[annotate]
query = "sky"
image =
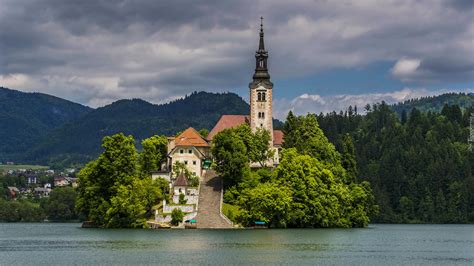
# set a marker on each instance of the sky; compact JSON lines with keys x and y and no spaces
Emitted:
{"x":323,"y":55}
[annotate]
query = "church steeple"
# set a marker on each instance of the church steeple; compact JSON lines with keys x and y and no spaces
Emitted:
{"x":261,"y":57}
{"x":261,"y":45}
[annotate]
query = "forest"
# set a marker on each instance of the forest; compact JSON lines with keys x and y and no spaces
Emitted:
{"x":419,"y":164}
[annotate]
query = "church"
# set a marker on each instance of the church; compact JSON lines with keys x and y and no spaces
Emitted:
{"x":193,"y":150}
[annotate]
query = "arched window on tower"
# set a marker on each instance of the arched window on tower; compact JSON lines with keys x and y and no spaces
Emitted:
{"x":261,"y":63}
{"x":263,"y":115}
{"x":259,"y":96}
{"x":263,"y":96}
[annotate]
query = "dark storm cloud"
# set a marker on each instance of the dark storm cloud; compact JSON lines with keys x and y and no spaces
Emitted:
{"x":95,"y":52}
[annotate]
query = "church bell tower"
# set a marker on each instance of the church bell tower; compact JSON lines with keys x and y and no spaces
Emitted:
{"x":261,"y":91}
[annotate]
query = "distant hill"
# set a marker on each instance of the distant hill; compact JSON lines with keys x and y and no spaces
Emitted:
{"x":79,"y":140}
{"x":27,"y":117}
{"x":435,"y":103}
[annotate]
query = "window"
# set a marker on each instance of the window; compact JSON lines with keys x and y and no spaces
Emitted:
{"x":259,"y":96}
{"x":181,"y":151}
{"x":261,"y":63}
{"x":190,"y":151}
{"x":194,"y":162}
{"x":186,"y":162}
{"x":263,"y":96}
{"x":263,"y":115}
{"x":261,"y":125}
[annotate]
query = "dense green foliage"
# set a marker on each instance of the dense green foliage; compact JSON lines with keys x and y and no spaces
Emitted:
{"x":230,"y":156}
{"x":309,"y":188}
{"x":154,"y":152}
{"x":435,"y":103}
{"x":20,"y":211}
{"x":419,"y":166}
{"x":233,"y":149}
{"x":115,"y":191}
{"x":60,"y":205}
{"x":26,"y":117}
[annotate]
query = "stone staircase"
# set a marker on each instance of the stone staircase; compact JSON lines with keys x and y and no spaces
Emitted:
{"x":209,"y":212}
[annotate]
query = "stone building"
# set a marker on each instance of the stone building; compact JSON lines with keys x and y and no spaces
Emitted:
{"x":261,"y":100}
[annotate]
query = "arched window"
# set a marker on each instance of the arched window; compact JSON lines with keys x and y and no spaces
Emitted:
{"x":261,"y":63}
{"x":259,"y":97}
{"x":263,"y":115}
{"x":263,"y":96}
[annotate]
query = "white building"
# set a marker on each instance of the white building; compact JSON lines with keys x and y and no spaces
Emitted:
{"x":190,"y":149}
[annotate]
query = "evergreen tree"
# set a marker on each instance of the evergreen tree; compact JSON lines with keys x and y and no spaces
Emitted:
{"x":349,"y":158}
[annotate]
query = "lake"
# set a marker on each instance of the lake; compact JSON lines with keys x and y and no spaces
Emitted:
{"x":379,"y":244}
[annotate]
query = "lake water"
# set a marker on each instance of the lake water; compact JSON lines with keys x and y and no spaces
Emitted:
{"x":66,"y":244}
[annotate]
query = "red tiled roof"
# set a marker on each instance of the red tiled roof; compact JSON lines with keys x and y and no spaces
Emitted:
{"x":277,"y":137}
{"x":228,"y":121}
{"x":190,"y":137}
{"x":181,"y":181}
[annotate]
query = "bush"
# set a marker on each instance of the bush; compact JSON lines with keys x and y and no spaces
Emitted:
{"x":177,"y":216}
{"x":182,"y":199}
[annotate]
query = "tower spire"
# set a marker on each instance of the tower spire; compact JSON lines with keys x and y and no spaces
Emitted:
{"x":261,"y":56}
{"x":261,"y":45}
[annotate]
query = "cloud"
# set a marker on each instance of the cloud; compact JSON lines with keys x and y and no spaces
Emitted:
{"x":94,"y":52}
{"x":405,"y":68}
{"x":305,"y":103}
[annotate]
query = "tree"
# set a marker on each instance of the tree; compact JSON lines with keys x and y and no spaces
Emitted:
{"x":130,"y":206}
{"x":261,"y":150}
{"x":230,"y":156}
{"x":404,"y":117}
{"x":111,"y":191}
{"x":305,"y":135}
{"x":349,"y":158}
{"x":153,"y":153}
{"x":319,"y":197}
{"x":290,"y":132}
{"x":204,"y":132}
{"x":177,"y":216}
{"x":266,"y":202}
{"x":60,"y":206}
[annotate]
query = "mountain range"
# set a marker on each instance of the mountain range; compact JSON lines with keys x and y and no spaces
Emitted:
{"x":44,"y":129}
